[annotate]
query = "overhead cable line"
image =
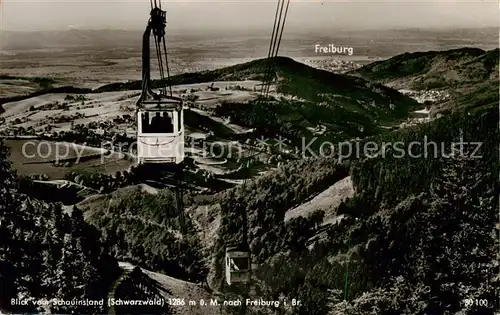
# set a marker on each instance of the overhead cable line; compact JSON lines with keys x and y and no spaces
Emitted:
{"x":276,"y":35}
{"x":279,"y":42}
{"x":275,"y":43}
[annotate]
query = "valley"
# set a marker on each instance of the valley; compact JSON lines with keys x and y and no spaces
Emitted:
{"x":325,"y":220}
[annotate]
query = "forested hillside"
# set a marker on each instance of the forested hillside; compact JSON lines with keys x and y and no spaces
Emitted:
{"x":148,"y":232}
{"x":469,"y":75}
{"x":434,"y":69}
{"x":417,"y":237}
{"x":300,"y":121}
{"x":46,"y":254}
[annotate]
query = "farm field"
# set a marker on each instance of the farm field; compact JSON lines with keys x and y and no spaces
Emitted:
{"x":36,"y":157}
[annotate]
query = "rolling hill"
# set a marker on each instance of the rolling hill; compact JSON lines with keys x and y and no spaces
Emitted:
{"x":303,"y":82}
{"x":305,"y":103}
{"x":433,"y":69}
{"x":470,"y":75}
{"x":304,"y":98}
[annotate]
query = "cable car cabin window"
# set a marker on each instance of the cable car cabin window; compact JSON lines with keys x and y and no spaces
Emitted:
{"x":157,"y":122}
{"x":239,"y":264}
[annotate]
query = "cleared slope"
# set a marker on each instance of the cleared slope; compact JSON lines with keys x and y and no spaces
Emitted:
{"x":327,"y":201}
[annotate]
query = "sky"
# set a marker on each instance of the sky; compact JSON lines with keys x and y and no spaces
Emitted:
{"x":36,"y":15}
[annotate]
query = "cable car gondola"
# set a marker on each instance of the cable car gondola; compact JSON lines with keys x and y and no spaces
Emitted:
{"x":160,"y":133}
{"x":159,"y":116}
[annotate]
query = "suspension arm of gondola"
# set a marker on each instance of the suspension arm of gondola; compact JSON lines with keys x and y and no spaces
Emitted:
{"x":146,"y":65}
{"x":156,"y":25}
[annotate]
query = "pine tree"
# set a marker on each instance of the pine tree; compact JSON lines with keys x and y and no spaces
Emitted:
{"x":461,"y":251}
{"x":10,"y":252}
